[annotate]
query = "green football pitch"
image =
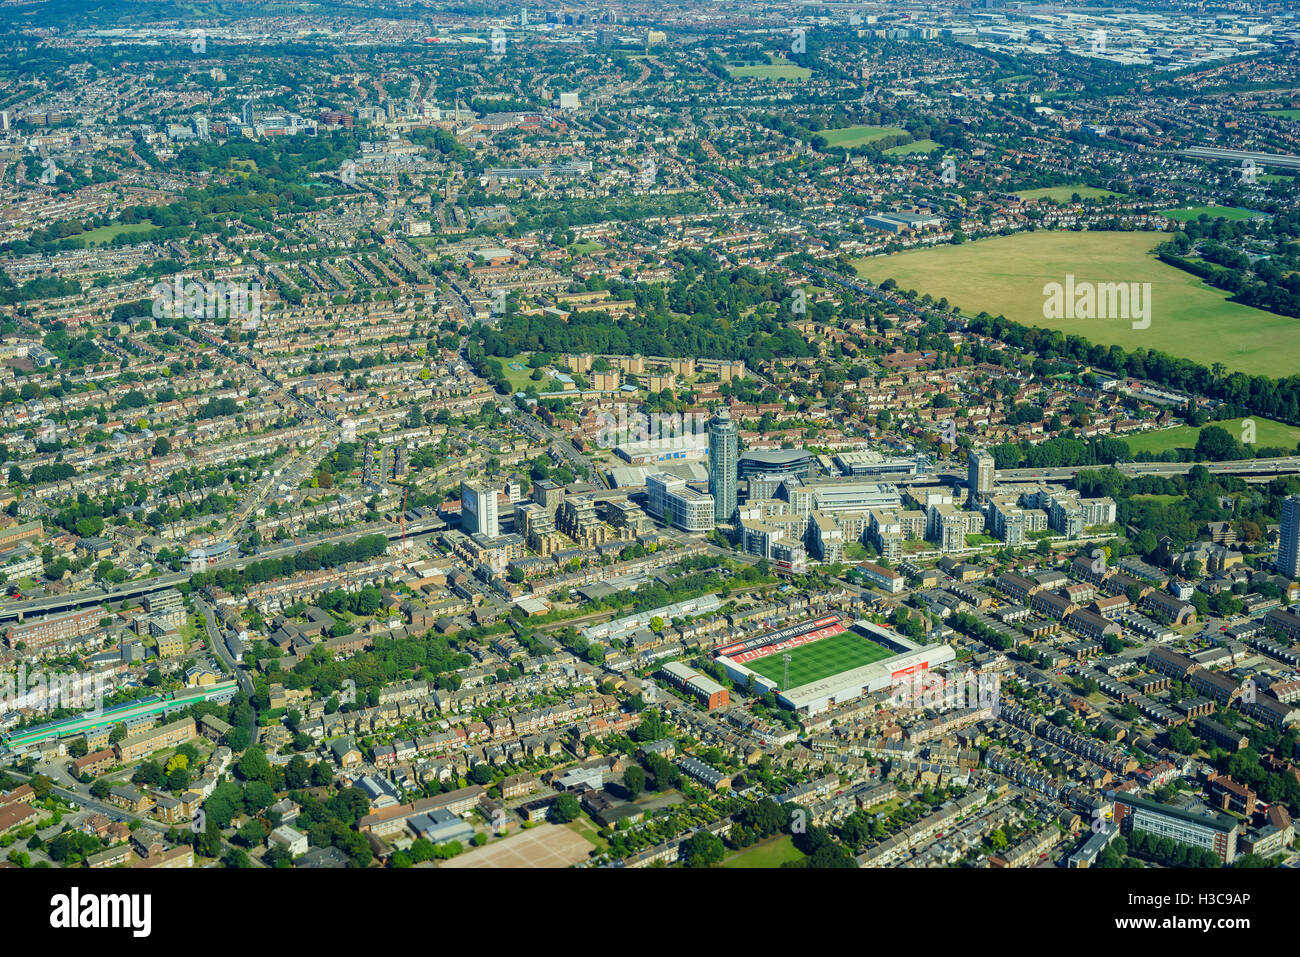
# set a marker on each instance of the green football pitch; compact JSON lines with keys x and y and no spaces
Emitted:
{"x":820,"y":659}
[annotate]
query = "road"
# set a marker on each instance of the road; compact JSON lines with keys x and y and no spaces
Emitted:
{"x":56,"y":772}
{"x":79,"y":795}
{"x":1258,"y":468}
{"x":1288,"y":465}
{"x":562,"y":446}
{"x":298,"y":462}
{"x":217,"y":645}
{"x":1243,"y":156}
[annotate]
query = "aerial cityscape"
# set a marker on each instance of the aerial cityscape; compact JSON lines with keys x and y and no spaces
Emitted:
{"x":615,"y":435}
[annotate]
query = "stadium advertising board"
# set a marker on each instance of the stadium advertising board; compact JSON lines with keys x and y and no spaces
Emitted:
{"x":905,"y":672}
{"x":792,"y":637}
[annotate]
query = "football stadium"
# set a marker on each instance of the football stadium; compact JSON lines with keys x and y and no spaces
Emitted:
{"x":831,"y":661}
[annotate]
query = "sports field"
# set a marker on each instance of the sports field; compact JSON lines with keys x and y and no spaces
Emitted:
{"x":777,"y":70}
{"x":1268,"y":434}
{"x":106,"y":234}
{"x":1214,"y":212}
{"x":851,"y":136}
{"x":1063,"y":194}
{"x":772,"y":852}
{"x":547,"y":845}
{"x":820,"y":659}
{"x":1006,"y":276}
{"x":916,"y":146}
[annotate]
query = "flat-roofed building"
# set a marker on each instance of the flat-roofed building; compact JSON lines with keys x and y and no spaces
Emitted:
{"x":1211,"y":831}
{"x":144,"y":743}
{"x":675,"y":503}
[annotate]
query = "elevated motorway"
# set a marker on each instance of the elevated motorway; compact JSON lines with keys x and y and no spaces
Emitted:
{"x":1242,"y":156}
{"x":1262,"y":469}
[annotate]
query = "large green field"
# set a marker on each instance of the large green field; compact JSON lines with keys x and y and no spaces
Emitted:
{"x":779,"y":70}
{"x":1285,"y":114}
{"x":1006,"y":276}
{"x":773,"y":852}
{"x":916,"y":146}
{"x":1268,"y":434}
{"x":1063,"y":194}
{"x":819,"y":659}
{"x":1214,"y":212}
{"x":851,"y":136}
{"x":521,"y":379}
{"x":105,"y":234}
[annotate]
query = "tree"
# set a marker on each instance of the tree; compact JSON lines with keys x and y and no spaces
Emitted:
{"x":251,"y":833}
{"x":41,"y":786}
{"x":322,"y":775}
{"x":703,"y":849}
{"x":297,"y":773}
{"x":148,"y":773}
{"x":253,"y":766}
{"x":564,"y":810}
{"x":765,"y":816}
{"x":238,"y":738}
{"x":651,"y":727}
{"x":208,"y":844}
{"x":1182,"y":740}
{"x":258,"y":796}
{"x":236,"y":857}
{"x":634,"y":781}
{"x":1216,"y":444}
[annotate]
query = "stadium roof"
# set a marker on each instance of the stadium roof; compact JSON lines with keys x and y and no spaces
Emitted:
{"x":775,"y":456}
{"x":815,"y":695}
